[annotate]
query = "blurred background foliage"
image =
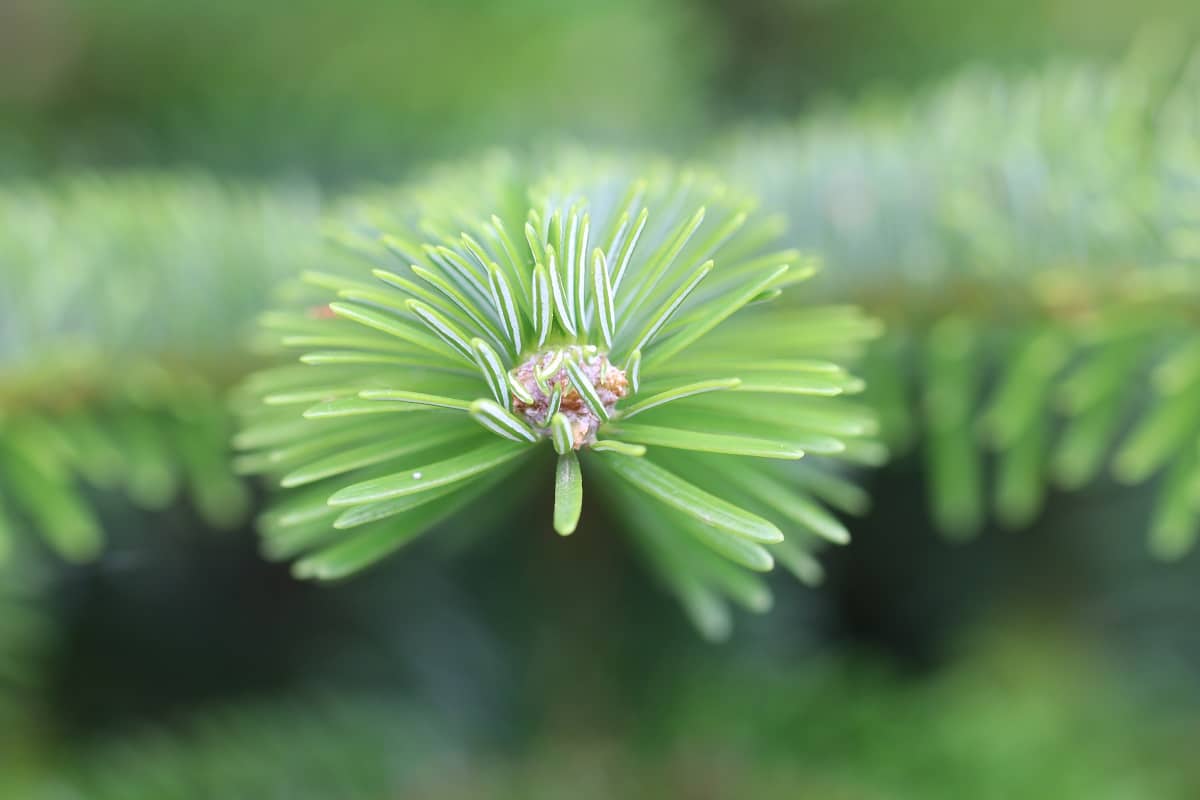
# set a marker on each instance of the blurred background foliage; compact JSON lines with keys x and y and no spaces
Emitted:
{"x":372,"y":87}
{"x":363,"y":88}
{"x":166,"y":163}
{"x":1031,"y":242}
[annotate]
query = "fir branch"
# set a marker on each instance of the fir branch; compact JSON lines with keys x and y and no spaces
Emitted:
{"x":1032,"y":245}
{"x":545,"y":326}
{"x":126,"y":303}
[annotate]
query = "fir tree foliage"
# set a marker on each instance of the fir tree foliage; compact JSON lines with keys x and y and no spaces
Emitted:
{"x":617,"y":316}
{"x":125,"y":306}
{"x":1032,"y":246}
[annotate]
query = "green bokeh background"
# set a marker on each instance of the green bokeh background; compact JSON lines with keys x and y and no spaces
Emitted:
{"x":1056,"y":662}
